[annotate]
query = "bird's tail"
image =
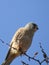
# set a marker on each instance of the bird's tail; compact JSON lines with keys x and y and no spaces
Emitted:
{"x":5,"y":63}
{"x":9,"y":60}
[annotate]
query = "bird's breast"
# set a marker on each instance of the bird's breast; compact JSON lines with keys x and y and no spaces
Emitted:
{"x":25,"y":42}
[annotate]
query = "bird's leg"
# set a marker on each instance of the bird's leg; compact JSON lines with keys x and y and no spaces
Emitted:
{"x":20,"y":50}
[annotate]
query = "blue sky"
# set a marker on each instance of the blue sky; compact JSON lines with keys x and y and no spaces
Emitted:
{"x":15,"y":14}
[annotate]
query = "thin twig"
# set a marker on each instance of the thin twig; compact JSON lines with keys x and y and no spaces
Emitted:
{"x":32,"y":58}
{"x":46,"y":58}
{"x":24,"y":63}
{"x":7,"y":44}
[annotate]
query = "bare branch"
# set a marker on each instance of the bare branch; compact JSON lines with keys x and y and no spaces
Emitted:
{"x":7,"y":44}
{"x":32,"y":58}
{"x":24,"y":63}
{"x":46,"y":58}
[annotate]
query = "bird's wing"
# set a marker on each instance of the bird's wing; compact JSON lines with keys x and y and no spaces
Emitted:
{"x":8,"y":52}
{"x":16,"y":36}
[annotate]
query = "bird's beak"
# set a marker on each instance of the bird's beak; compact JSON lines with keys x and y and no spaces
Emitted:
{"x":37,"y":28}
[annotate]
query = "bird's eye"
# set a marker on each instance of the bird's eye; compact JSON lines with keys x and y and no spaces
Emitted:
{"x":34,"y":26}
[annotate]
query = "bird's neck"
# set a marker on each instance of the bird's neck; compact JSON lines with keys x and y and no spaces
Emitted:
{"x":30,"y":33}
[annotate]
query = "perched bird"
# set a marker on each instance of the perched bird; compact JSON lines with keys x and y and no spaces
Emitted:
{"x":21,"y":42}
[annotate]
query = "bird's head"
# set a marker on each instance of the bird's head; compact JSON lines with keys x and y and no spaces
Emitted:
{"x":32,"y":26}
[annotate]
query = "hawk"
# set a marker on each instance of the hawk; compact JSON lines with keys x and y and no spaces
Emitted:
{"x":20,"y":42}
